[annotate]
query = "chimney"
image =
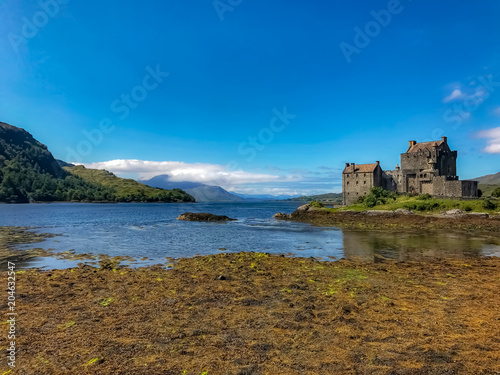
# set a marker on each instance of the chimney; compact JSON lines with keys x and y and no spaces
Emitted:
{"x":413,"y":143}
{"x":377,"y":162}
{"x":444,"y":140}
{"x":346,"y":165}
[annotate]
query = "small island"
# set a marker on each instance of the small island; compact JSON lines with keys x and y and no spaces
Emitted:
{"x":203,"y":216}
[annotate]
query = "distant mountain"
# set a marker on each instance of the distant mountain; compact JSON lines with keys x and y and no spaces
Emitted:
{"x":328,"y":197}
{"x":490,"y":179}
{"x":201,"y":192}
{"x":29,"y":172}
{"x":265,"y":197}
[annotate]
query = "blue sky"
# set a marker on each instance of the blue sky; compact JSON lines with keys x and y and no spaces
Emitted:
{"x":256,"y":96}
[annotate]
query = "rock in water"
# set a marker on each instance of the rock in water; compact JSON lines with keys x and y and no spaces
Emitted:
{"x":281,"y":216}
{"x":203,"y":216}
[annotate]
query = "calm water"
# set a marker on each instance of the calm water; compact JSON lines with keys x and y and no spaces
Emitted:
{"x":151,"y":230}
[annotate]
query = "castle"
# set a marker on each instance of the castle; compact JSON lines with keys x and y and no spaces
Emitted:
{"x":426,"y":168}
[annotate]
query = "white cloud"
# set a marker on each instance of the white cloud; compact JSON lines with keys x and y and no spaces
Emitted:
{"x":276,"y":182}
{"x":455,"y":95}
{"x":210,"y":174}
{"x":493,"y":137}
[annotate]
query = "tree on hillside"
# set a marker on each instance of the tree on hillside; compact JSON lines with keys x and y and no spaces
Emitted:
{"x":496,"y":192}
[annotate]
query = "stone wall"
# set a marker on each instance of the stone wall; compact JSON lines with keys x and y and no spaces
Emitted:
{"x":470,"y":189}
{"x":415,"y":161}
{"x":355,"y":185}
{"x":445,"y":162}
{"x":427,"y":171}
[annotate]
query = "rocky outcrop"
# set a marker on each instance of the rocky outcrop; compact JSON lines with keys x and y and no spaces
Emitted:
{"x":281,"y":216}
{"x":454,"y":212}
{"x":203,"y":216}
{"x":403,"y":211}
{"x":398,"y":219}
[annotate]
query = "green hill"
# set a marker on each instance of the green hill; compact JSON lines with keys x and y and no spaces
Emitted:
{"x":489,"y":179}
{"x":29,"y":172}
{"x":127,"y":190}
{"x":487,"y":190}
{"x":488,"y":183}
{"x":328,"y":197}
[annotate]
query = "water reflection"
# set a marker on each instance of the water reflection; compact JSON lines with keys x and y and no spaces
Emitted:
{"x":21,"y":262}
{"x":365,"y":246}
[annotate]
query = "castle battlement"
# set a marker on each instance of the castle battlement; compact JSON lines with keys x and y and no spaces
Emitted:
{"x":426,"y":168}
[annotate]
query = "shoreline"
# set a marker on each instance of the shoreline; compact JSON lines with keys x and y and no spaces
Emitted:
{"x":33,"y":258}
{"x":480,"y":223}
{"x":255,"y":313}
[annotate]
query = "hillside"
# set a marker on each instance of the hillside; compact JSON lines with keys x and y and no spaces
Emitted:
{"x":489,"y":179}
{"x":328,"y":197}
{"x":18,"y":144}
{"x":488,"y":183}
{"x":29,"y":172}
{"x":201,"y":192}
{"x":128,"y":190}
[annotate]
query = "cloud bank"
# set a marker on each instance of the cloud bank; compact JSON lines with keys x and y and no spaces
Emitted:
{"x":210,"y":174}
{"x":275,"y":181}
{"x":493,"y":137}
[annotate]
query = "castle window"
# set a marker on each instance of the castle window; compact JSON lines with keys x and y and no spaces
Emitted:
{"x":347,"y":182}
{"x":357,"y":182}
{"x":364,"y":182}
{"x":364,"y":175}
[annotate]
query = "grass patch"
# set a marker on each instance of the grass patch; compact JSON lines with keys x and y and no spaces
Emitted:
{"x":423,"y":203}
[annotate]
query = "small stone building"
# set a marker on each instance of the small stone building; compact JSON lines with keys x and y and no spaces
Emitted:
{"x":426,"y":168}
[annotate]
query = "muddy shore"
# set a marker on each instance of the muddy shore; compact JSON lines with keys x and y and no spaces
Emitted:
{"x":255,"y":313}
{"x":373,"y":220}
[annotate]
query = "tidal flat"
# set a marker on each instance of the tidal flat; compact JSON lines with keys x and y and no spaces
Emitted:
{"x":257,"y":313}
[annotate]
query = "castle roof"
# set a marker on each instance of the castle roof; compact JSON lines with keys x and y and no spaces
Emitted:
{"x":424,"y":146}
{"x":360,"y":168}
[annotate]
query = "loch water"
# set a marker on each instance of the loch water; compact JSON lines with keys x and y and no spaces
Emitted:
{"x":151,"y":230}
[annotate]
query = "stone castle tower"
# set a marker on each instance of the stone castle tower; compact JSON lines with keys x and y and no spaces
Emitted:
{"x":426,"y":168}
